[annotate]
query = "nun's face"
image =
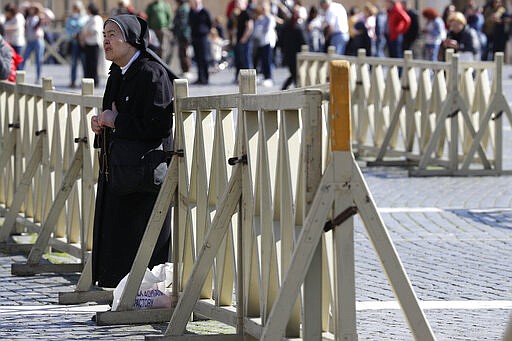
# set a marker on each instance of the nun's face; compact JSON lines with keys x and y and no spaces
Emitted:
{"x":117,"y":50}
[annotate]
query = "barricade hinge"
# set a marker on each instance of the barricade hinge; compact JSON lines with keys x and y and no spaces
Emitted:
{"x":497,"y":115}
{"x":340,"y":218}
{"x":39,"y":132}
{"x":81,"y":139}
{"x":453,"y":114}
{"x":237,"y":159}
{"x":178,"y":152}
{"x":14,"y":125}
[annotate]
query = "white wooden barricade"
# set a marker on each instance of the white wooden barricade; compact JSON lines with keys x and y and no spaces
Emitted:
{"x":254,"y":184}
{"x":259,"y":223}
{"x":45,"y":151}
{"x":397,"y":119}
{"x":198,"y":174}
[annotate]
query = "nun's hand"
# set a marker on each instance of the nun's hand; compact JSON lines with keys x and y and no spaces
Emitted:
{"x":108,"y":117}
{"x":95,"y":125}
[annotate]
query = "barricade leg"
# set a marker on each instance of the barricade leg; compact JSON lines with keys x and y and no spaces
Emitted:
{"x":19,"y":197}
{"x":343,"y":181}
{"x":33,"y":265}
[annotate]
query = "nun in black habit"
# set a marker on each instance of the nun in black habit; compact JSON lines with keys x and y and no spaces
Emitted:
{"x":136,"y":119}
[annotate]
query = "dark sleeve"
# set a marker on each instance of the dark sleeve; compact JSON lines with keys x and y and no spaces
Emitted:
{"x":208,"y":20}
{"x":304,"y":37}
{"x":150,"y":115}
{"x":467,"y":44}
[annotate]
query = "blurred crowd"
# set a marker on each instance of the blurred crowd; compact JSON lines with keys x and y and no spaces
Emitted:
{"x":262,"y":34}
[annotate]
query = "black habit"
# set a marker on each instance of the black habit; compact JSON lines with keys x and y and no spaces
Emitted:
{"x":143,"y":97}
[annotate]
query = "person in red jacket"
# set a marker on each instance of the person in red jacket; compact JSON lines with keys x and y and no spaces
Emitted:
{"x":398,"y":23}
{"x":9,"y":61}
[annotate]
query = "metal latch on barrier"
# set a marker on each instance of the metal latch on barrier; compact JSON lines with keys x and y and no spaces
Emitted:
{"x":179,"y":153}
{"x":453,"y":114}
{"x":340,"y":218}
{"x":81,"y":140}
{"x":237,"y":159}
{"x":39,"y":132}
{"x":14,"y":125}
{"x":497,"y":115}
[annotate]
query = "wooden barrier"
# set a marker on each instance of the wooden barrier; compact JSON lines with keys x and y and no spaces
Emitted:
{"x":440,"y":117}
{"x":258,"y":223}
{"x":263,"y":187}
{"x":46,"y":153}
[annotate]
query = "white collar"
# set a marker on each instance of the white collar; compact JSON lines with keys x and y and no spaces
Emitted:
{"x":125,"y":68}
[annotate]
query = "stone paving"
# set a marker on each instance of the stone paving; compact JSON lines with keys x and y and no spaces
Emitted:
{"x":453,"y":235}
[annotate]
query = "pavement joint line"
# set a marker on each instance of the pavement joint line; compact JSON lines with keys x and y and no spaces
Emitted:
{"x":437,"y":305}
{"x":365,"y":305}
{"x":439,"y":210}
{"x":52,"y":309}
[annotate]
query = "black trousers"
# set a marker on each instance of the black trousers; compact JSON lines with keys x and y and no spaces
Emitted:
{"x":201,"y":55}
{"x":91,"y":53}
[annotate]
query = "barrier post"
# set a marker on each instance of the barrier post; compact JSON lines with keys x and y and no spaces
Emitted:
{"x":344,"y":264}
{"x":343,"y":187}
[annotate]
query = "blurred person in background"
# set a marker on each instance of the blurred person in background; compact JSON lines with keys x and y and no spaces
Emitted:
{"x":264,"y":40}
{"x":293,"y":36}
{"x":91,"y":38}
{"x":496,"y":28}
{"x":14,"y":27}
{"x":370,"y":12}
{"x":398,"y":23}
{"x":9,"y":61}
{"x":200,"y":25}
{"x":244,"y":25}
{"x":160,"y":16}
{"x":183,"y":35}
{"x":461,"y":38}
{"x":447,"y":11}
{"x":433,"y":32}
{"x":35,"y":37}
{"x":314,"y":30}
{"x":413,"y":32}
{"x":336,"y":25}
{"x":476,"y":20}
{"x":123,"y":7}
{"x":73,"y":26}
{"x":381,"y":32}
{"x":354,"y":16}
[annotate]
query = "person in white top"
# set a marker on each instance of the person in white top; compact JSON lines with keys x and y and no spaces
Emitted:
{"x":35,"y":37}
{"x":265,"y":37}
{"x":14,"y":27}
{"x":91,"y":39}
{"x":336,"y":22}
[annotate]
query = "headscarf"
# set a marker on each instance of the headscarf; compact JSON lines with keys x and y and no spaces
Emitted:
{"x":136,"y":33}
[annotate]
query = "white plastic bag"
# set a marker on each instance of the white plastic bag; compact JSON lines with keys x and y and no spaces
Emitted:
{"x":154,"y":291}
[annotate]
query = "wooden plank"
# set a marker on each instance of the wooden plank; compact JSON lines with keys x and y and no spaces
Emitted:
{"x":389,"y":258}
{"x":301,"y":259}
{"x":207,"y":253}
{"x":143,"y":316}
{"x":25,"y":269}
{"x":215,"y":337}
{"x":79,"y":297}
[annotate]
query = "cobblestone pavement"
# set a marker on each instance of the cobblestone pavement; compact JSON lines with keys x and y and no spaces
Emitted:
{"x":453,"y":235}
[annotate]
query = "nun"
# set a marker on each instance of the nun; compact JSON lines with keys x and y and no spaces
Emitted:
{"x":132,"y":134}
